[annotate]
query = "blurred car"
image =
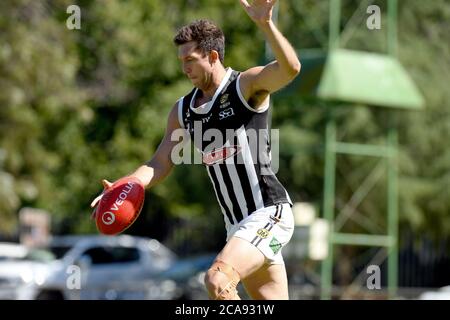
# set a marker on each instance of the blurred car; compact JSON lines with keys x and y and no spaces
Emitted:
{"x":21,"y":269}
{"x":12,"y":251}
{"x":188,"y":276}
{"x":442,"y":294}
{"x":103,"y":267}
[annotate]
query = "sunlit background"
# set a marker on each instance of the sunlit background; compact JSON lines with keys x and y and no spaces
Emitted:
{"x":364,"y":147}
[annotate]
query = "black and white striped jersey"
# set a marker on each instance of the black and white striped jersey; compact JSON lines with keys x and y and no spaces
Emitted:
{"x":234,"y":143}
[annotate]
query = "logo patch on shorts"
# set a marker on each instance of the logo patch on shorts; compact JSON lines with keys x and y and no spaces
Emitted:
{"x":275,"y":245}
{"x":263,"y":233}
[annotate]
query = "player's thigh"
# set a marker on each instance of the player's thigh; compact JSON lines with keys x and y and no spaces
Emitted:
{"x":268,"y":283}
{"x":243,"y":256}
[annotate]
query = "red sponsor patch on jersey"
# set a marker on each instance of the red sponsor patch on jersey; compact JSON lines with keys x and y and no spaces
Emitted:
{"x":219,"y":155}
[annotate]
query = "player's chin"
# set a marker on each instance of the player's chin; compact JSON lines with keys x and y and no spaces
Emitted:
{"x":198,"y":84}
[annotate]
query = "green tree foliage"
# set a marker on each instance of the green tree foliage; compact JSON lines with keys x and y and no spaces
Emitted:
{"x":424,"y":135}
{"x":39,"y":97}
{"x":77,"y":106}
{"x":82,"y":105}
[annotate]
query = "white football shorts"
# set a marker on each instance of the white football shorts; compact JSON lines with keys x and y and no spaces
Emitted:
{"x":268,"y":229}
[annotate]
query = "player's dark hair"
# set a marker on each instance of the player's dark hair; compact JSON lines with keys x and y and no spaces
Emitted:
{"x":207,"y":35}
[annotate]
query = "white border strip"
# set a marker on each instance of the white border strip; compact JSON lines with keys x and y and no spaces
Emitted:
{"x":180,"y":112}
{"x":207,"y":108}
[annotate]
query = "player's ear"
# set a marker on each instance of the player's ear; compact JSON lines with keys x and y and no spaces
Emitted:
{"x":213,"y":56}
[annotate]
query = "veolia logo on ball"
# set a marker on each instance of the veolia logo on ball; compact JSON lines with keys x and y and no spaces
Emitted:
{"x":108,"y":217}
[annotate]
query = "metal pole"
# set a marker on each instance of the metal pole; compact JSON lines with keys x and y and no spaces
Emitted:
{"x":392,"y":27}
{"x":330,"y":162}
{"x":328,"y":206}
{"x":392,"y":194}
{"x":335,"y":24}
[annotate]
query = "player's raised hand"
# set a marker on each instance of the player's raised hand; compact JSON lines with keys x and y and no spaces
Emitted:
{"x":106,"y":186}
{"x":260,"y":11}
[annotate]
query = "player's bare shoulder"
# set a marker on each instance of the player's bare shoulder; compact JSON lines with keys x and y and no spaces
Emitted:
{"x":173,"y":121}
{"x":247,"y":80}
{"x":252,"y":93}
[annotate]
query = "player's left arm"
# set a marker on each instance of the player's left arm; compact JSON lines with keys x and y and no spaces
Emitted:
{"x":277,"y":74}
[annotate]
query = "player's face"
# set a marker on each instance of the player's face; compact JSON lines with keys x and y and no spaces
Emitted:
{"x":195,"y":64}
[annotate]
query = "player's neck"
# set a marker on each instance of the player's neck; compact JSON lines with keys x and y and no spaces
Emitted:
{"x":213,"y":83}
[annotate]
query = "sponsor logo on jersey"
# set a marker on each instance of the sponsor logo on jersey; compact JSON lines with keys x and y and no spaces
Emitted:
{"x":226,"y":104}
{"x":224,"y":101}
{"x":226,"y":113}
{"x":224,"y":98}
{"x":221,"y":154}
{"x":206,"y":119}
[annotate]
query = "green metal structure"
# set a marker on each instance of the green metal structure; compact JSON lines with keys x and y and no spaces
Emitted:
{"x":355,"y":77}
{"x":378,"y":81}
{"x":368,"y":78}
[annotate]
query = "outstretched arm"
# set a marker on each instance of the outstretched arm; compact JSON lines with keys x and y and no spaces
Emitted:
{"x":279,"y":73}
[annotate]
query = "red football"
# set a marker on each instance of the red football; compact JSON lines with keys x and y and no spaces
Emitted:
{"x":120,"y":205}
